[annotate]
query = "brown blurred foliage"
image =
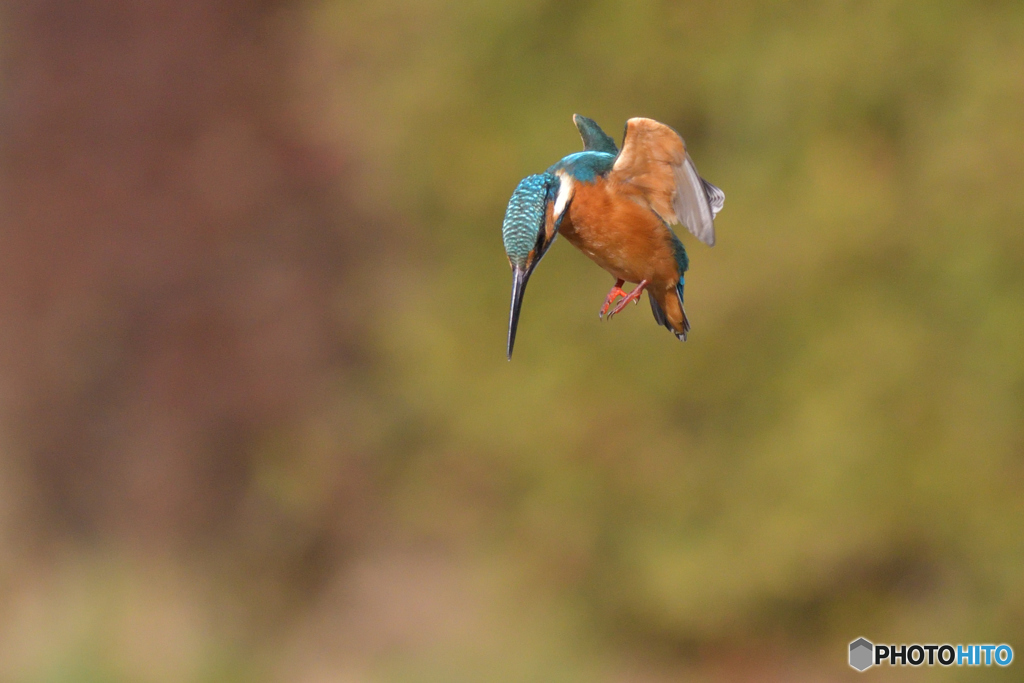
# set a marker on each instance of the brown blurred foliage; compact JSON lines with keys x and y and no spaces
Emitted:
{"x":171,"y":251}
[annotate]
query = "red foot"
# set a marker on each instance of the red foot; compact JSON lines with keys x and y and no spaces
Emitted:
{"x":616,"y":292}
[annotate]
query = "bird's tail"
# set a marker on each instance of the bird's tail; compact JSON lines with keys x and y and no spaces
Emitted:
{"x":670,"y":312}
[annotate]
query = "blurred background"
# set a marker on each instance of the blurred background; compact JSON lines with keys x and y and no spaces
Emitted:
{"x":256,"y":421}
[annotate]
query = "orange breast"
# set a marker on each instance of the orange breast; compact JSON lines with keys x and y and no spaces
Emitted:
{"x":621,"y":235}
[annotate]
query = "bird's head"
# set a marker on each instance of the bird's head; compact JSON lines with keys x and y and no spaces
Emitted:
{"x":531,"y":225}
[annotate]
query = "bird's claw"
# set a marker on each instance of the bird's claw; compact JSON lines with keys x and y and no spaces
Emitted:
{"x":614,"y":294}
{"x":617,"y":292}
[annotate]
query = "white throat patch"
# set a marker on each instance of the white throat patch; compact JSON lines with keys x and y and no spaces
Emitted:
{"x":565,"y":189}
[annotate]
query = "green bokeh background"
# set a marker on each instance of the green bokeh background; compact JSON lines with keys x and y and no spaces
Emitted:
{"x":837,"y":451}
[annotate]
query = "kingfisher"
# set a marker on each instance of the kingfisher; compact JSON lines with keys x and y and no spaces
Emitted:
{"x":616,"y":206}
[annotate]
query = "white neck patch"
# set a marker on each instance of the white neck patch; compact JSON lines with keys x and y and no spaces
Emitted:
{"x":565,"y":189}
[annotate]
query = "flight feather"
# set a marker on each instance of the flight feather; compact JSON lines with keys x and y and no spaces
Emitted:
{"x":654,"y":160}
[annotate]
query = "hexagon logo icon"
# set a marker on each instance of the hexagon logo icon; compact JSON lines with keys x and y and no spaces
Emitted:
{"x":861,"y":654}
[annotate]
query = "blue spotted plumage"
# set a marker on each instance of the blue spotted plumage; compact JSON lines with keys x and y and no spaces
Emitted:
{"x":524,"y":218}
{"x":527,"y":234}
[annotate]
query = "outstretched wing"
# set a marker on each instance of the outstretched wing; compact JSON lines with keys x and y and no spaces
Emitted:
{"x":654,"y":161}
{"x":594,"y":139}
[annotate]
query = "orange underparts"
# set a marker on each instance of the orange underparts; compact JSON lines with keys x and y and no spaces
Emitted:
{"x":615,"y":293}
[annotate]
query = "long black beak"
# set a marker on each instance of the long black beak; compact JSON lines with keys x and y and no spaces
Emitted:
{"x":520,"y":274}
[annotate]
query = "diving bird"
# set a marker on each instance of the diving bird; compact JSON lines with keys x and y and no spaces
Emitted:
{"x":616,"y":207}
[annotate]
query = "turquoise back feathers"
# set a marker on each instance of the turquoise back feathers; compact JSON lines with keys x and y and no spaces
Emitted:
{"x":597,"y":157}
{"x":524,"y":217}
{"x":585,"y":166}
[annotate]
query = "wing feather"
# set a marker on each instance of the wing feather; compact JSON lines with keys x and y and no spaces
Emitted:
{"x":654,"y":161}
{"x":594,"y":139}
{"x":691,"y":203}
{"x":716,"y":198}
